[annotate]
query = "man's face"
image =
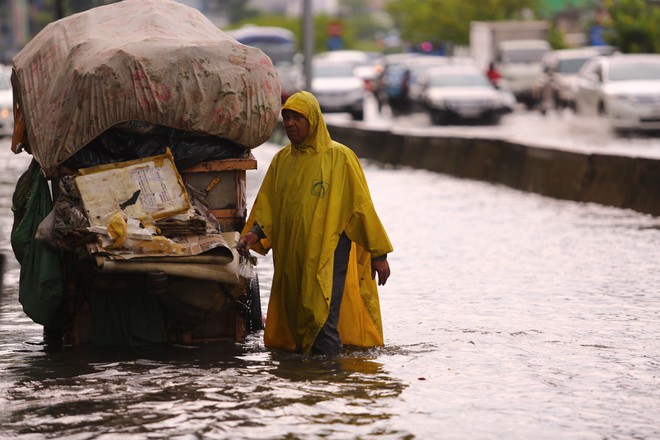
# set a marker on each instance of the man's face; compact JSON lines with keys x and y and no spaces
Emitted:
{"x":295,"y":125}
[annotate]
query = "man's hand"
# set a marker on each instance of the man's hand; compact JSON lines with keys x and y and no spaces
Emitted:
{"x":245,"y":243}
{"x":383,"y":269}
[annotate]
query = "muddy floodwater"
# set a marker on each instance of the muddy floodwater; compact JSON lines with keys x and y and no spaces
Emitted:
{"x":507,"y":316}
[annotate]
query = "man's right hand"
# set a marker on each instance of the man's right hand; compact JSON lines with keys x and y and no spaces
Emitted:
{"x":245,"y":243}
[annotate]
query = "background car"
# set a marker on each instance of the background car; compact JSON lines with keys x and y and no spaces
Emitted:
{"x":624,"y":88}
{"x":461,"y":93}
{"x":366,"y":64}
{"x":519,"y":64}
{"x":337,"y":88}
{"x":6,"y":103}
{"x":417,"y":68}
{"x":555,"y":87}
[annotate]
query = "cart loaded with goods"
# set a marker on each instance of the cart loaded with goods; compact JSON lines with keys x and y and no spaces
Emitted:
{"x":140,"y":117}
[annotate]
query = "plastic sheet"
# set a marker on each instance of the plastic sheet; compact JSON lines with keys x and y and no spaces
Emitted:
{"x":153,"y":61}
{"x":117,"y":145}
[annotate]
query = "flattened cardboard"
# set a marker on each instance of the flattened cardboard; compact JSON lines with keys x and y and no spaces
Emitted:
{"x":146,"y":189}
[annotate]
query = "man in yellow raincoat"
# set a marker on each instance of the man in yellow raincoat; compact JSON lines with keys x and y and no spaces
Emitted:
{"x":315,"y":211}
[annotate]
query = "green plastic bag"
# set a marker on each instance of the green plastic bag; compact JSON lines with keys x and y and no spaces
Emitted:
{"x":41,"y":285}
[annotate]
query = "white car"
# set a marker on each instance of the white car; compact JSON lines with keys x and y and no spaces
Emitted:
{"x":366,"y":64}
{"x":555,"y":87}
{"x":417,"y":68}
{"x":6,"y":103}
{"x":338,"y":89}
{"x":624,"y":88}
{"x":461,"y":93}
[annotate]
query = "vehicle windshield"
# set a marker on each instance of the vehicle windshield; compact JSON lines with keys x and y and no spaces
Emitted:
{"x":635,"y":71}
{"x":571,"y":65}
{"x":523,"y":55}
{"x":333,"y":71}
{"x":459,"y":80}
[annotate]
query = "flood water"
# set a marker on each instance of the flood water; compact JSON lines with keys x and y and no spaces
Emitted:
{"x":507,"y":316}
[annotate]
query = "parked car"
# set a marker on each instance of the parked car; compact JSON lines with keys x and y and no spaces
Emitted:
{"x":366,"y":64}
{"x":555,"y":87}
{"x":624,"y":88}
{"x":6,"y":103}
{"x":337,"y":88}
{"x":417,"y":68}
{"x":461,"y":93}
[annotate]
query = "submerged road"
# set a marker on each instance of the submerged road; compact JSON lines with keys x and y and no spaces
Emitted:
{"x":508,"y":315}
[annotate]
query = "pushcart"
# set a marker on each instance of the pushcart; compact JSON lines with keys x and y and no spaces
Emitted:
{"x":99,"y":110}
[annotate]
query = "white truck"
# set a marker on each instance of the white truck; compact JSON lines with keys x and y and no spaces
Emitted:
{"x":515,"y":48}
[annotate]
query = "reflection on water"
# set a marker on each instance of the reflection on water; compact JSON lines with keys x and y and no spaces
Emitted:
{"x":507,"y":316}
{"x":238,"y":391}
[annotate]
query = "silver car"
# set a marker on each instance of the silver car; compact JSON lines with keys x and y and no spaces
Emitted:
{"x":555,"y":87}
{"x":623,"y":88}
{"x":463,"y":93}
{"x":6,"y":103}
{"x":338,"y":89}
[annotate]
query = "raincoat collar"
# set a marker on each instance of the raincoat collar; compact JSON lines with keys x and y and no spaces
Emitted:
{"x":305,"y":103}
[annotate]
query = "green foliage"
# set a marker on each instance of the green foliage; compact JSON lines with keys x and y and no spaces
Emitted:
{"x":556,"y":39}
{"x":635,"y":25}
{"x":449,"y":20}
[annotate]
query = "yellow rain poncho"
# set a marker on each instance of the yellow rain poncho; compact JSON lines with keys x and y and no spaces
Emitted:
{"x":311,"y":194}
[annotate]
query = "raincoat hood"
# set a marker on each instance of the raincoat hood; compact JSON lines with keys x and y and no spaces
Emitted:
{"x":305,"y":103}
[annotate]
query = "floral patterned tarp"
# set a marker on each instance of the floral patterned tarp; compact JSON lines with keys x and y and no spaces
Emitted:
{"x":156,"y":61}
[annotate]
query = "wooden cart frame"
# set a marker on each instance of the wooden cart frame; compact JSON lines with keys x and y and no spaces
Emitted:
{"x":224,"y":183}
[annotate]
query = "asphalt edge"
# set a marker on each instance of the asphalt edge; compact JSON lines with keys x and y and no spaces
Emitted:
{"x":611,"y":180}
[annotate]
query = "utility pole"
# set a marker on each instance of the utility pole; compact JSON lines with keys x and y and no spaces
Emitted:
{"x":59,"y":9}
{"x":308,"y":42}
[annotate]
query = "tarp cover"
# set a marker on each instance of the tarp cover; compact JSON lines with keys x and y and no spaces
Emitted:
{"x":140,"y":60}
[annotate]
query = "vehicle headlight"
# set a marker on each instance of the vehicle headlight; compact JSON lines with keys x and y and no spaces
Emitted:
{"x":5,"y":113}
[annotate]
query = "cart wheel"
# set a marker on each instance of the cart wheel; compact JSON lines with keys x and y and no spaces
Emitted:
{"x":253,"y":315}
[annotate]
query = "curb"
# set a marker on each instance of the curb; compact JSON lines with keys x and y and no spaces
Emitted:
{"x":618,"y":181}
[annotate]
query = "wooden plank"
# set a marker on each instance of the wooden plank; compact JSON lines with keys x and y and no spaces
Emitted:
{"x":248,"y":163}
{"x":224,"y":213}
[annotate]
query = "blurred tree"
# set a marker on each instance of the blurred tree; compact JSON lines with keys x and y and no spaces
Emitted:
{"x":635,"y":25}
{"x":235,"y":10}
{"x":556,"y":38}
{"x":449,"y":20}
